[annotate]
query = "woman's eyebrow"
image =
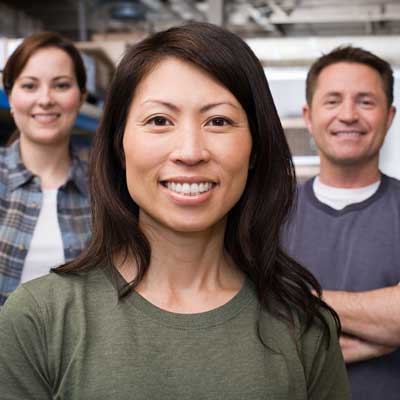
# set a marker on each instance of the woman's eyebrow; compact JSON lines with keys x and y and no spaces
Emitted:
{"x":208,"y":107}
{"x":163,"y":103}
{"x":203,"y":109}
{"x":34,"y":78}
{"x":63,"y":77}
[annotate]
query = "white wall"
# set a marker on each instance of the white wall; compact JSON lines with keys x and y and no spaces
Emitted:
{"x":390,"y":153}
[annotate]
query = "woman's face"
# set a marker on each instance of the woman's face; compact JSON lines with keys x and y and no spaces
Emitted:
{"x":187,"y":146}
{"x":45,"y":98}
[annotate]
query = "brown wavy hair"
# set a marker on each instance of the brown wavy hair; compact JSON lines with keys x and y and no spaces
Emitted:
{"x":29,"y":46}
{"x":252,"y":236}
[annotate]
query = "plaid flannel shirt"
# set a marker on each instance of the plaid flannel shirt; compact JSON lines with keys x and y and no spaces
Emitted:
{"x":20,"y":202}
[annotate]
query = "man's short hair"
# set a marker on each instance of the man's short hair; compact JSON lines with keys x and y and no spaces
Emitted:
{"x":352,"y":55}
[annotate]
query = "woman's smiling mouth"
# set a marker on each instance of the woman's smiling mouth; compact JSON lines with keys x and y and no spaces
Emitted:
{"x":46,"y":117}
{"x":189,"y":189}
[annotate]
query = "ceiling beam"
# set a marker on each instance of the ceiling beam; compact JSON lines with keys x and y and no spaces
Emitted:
{"x":349,"y":13}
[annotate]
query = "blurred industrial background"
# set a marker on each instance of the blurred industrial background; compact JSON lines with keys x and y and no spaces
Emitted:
{"x":287,"y":35}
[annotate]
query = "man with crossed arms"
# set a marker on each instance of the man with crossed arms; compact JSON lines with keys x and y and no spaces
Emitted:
{"x":346,"y":225}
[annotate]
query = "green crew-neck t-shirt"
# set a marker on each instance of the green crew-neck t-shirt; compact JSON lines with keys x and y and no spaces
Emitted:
{"x":69,"y":337}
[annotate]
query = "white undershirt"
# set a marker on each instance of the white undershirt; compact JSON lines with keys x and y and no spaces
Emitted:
{"x":339,"y":198}
{"x":46,"y":249}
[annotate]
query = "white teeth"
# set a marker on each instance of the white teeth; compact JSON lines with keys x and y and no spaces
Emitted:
{"x":45,"y":117}
{"x":348,"y":134}
{"x":194,"y":189}
{"x":190,"y":189}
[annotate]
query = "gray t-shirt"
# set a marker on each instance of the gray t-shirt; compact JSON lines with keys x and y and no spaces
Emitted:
{"x":69,"y":337}
{"x":353,"y":249}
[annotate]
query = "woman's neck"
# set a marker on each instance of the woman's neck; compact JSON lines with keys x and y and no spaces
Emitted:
{"x":50,"y":162}
{"x":189,"y":272}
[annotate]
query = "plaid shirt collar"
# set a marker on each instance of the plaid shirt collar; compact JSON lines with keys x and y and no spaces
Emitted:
{"x":19,"y":175}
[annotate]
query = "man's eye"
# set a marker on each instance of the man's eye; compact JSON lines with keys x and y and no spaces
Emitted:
{"x":159,"y":121}
{"x":366,"y":102}
{"x":331,"y":102}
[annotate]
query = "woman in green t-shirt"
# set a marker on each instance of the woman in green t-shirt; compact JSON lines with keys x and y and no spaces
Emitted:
{"x":184,"y":291}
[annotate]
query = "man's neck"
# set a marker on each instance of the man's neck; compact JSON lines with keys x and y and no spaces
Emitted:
{"x":348,"y":176}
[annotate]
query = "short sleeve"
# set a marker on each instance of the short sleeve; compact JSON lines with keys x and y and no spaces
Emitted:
{"x":23,"y":354}
{"x":324,"y":365}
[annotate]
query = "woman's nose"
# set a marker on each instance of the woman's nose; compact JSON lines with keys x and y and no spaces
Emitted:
{"x":45,"y":97}
{"x":191,"y":147}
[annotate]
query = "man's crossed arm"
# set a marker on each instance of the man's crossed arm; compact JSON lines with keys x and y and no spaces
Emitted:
{"x":370,"y":321}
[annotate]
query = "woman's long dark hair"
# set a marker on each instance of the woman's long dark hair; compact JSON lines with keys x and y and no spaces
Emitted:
{"x":254,"y":224}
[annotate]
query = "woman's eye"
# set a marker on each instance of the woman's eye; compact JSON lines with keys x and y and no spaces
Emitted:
{"x":63,"y":85}
{"x":28,"y":86}
{"x":159,"y":121}
{"x":219,"y":121}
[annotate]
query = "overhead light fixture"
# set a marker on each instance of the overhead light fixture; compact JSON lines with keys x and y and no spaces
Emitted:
{"x":128,"y":11}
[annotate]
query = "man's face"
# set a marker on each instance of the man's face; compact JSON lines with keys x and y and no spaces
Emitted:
{"x":348,"y":115}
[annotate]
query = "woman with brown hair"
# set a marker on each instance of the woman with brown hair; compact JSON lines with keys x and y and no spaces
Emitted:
{"x":44,"y":204}
{"x":184,"y":291}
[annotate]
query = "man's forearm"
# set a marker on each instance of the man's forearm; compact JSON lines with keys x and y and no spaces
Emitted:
{"x":355,"y":350}
{"x":373,"y":316}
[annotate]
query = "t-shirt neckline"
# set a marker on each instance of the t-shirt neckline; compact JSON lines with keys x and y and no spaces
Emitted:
{"x":202,"y":320}
{"x":351,"y":207}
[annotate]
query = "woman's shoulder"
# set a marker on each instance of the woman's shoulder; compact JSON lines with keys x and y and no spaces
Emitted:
{"x":307,"y":345}
{"x":296,"y":324}
{"x":12,"y":168}
{"x":311,"y":352}
{"x":4,"y":163}
{"x":54,"y":293}
{"x":80,"y":155}
{"x":3,"y":152}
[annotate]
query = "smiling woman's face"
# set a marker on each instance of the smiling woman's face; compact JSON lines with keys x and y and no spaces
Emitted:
{"x":45,"y":98}
{"x":187,"y":147}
